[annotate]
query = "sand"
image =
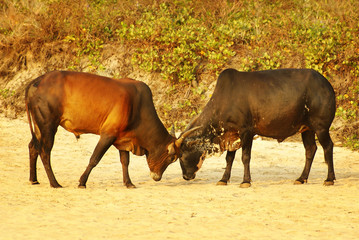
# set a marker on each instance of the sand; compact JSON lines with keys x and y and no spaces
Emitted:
{"x":273,"y":208}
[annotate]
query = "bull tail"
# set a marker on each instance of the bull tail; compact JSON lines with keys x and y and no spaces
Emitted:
{"x":29,"y":116}
{"x":28,"y":106}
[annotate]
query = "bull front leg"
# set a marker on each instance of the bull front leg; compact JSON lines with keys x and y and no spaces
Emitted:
{"x":102,"y":146}
{"x":125,"y":160}
{"x":227,"y":173}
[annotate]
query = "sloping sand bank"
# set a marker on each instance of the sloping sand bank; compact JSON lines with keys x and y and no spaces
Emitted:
{"x":273,"y":208}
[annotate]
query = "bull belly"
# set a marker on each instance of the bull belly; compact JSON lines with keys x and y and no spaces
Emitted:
{"x":280,"y":132}
{"x":78,"y":129}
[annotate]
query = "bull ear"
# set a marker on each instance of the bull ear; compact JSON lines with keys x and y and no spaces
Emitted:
{"x":172,"y":132}
{"x":185,"y":134}
{"x":171,"y":149}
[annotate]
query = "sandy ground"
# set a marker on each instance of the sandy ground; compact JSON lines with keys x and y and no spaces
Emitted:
{"x":273,"y":208}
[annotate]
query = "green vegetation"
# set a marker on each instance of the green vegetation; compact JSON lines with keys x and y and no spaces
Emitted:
{"x":172,"y":40}
{"x":5,"y":93}
{"x":180,"y":39}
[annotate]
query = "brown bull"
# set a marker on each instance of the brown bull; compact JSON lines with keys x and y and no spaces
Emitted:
{"x":120,"y":111}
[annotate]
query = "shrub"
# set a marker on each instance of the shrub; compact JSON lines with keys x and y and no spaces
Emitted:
{"x":173,"y":40}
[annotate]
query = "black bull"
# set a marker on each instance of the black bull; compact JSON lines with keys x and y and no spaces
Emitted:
{"x":273,"y":103}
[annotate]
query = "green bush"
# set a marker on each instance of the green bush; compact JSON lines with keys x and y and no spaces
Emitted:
{"x":172,"y":40}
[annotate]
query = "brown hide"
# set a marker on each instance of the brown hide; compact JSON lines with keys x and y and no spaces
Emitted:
{"x":120,"y":111}
{"x":99,"y":107}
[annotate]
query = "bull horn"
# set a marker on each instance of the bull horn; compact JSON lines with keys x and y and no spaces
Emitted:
{"x":179,"y":141}
{"x":171,"y":150}
{"x":192,"y":122}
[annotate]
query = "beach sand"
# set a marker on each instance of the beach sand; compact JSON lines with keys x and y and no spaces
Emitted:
{"x":273,"y":208}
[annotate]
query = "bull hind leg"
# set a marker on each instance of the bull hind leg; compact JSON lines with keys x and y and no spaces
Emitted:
{"x":47,"y":143}
{"x":227,"y":173}
{"x":45,"y":157}
{"x":125,"y":160}
{"x":33,"y":154}
{"x":308,"y":138}
{"x":102,"y":146}
{"x":42,"y":143}
{"x":327,"y":144}
{"x":247,"y":142}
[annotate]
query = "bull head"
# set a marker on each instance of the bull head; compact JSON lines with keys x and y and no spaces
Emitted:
{"x":177,"y":144}
{"x":173,"y":153}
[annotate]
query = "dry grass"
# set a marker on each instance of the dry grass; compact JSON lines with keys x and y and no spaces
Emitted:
{"x":317,"y":34}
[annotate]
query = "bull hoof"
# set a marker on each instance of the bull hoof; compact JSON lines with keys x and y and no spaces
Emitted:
{"x":34,"y":182}
{"x":130,"y":186}
{"x":55,"y":185}
{"x":299,"y":181}
{"x":82,"y":186}
{"x":222,"y":183}
{"x":328,"y":183}
{"x":244,"y":185}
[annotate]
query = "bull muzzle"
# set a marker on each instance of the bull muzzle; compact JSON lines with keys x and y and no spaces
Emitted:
{"x":155,"y":176}
{"x":189,"y":177}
